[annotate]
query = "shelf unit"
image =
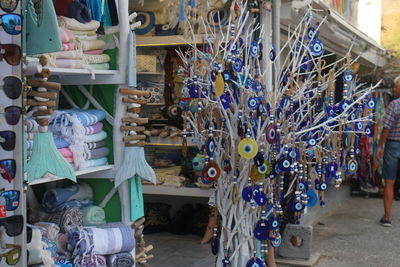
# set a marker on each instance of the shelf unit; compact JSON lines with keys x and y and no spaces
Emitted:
{"x":85,"y":76}
{"x":170,"y":40}
{"x":177,"y":191}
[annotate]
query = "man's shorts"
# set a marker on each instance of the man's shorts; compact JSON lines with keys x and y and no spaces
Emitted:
{"x":391,"y":157}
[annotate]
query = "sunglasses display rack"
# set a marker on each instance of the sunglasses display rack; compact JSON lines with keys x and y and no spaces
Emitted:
{"x":12,"y":191}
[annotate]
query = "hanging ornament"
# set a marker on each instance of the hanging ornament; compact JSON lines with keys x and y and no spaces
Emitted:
{"x":261,"y":230}
{"x":211,"y":171}
{"x":312,"y":198}
{"x":265,"y":168}
{"x":237,"y":65}
{"x":272,"y":134}
{"x":255,"y":262}
{"x":371,"y":103}
{"x":348,"y":76}
{"x":369,"y":130}
{"x":227,"y":75}
{"x":198,"y":162}
{"x":352,"y":166}
{"x":219,"y":85}
{"x":247,"y":193}
{"x":210,"y":147}
{"x":316,"y":48}
{"x":277,"y":240}
{"x":252,"y":103}
{"x":248,"y":148}
{"x":225,"y":100}
{"x":259,"y":196}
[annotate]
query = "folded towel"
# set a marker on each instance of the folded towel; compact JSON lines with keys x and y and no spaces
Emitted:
{"x":68,"y":46}
{"x":80,"y":34}
{"x":93,"y":129}
{"x":122,"y":259}
{"x":96,"y":59}
{"x":100,"y":66}
{"x":30,"y":136}
{"x":70,"y":160}
{"x":73,"y":54}
{"x":86,"y":45}
{"x":94,"y":163}
{"x":31,"y":125}
{"x":66,"y":35}
{"x":97,"y":153}
{"x":37,"y":253}
{"x":93,"y":215}
{"x":65,"y":152}
{"x":94,"y":52}
{"x":73,"y":24}
{"x":29,"y":144}
{"x":51,"y":228}
{"x":60,"y":142}
{"x":61,"y":242}
{"x":95,"y":137}
{"x":67,"y":219}
{"x":54,"y":199}
{"x":70,"y":64}
{"x":93,"y":145}
{"x":85,"y":116}
{"x":91,"y":261}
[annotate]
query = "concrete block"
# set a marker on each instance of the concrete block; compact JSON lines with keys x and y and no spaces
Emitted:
{"x":296,"y":242}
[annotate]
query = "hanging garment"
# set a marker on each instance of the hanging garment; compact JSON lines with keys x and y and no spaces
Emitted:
{"x":136,"y":195}
{"x":112,"y":8}
{"x":42,"y":31}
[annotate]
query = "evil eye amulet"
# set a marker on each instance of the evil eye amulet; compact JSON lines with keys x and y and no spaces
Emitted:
{"x":247,"y":193}
{"x":371,"y":103}
{"x":255,"y":262}
{"x":261,"y":230}
{"x":260,"y":197}
{"x":214,"y":245}
{"x":210,"y":147}
{"x":284,"y":164}
{"x":198,"y":163}
{"x":252,"y":103}
{"x":265,"y":168}
{"x":276,"y":241}
{"x":259,"y":159}
{"x":297,"y":206}
{"x":302,"y":186}
{"x":272,"y":134}
{"x":211,"y":171}
{"x":312,"y":198}
{"x":311,"y":142}
{"x":227,"y":75}
{"x":237,"y":65}
{"x":316,"y":48}
{"x":311,"y":33}
{"x":323,"y":186}
{"x":274,"y":223}
{"x":213,"y":75}
{"x":369,"y":131}
{"x":254,"y":49}
{"x":359,"y":126}
{"x":348,"y":76}
{"x":352,"y":166}
{"x":272,"y":55}
{"x":248,"y":148}
{"x":225,"y":100}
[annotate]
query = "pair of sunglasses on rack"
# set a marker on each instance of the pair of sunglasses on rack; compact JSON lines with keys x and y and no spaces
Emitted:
{"x":8,"y":169}
{"x":11,"y":53}
{"x":8,"y":5}
{"x":12,"y":114}
{"x":12,"y":87}
{"x":12,"y":254}
{"x":7,"y":140}
{"x":12,"y":199}
{"x":13,"y":225}
{"x":12,"y":23}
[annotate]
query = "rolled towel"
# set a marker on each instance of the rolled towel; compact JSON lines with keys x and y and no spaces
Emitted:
{"x":94,"y":52}
{"x":122,"y":259}
{"x":66,"y":35}
{"x":70,"y":64}
{"x":95,"y":260}
{"x":94,"y":163}
{"x":96,"y":59}
{"x":72,"y":54}
{"x":93,"y":215}
{"x":74,"y":25}
{"x":52,"y":229}
{"x":86,"y":45}
{"x":97,"y":153}
{"x":95,"y":137}
{"x":67,"y":219}
{"x":54,"y":199}
{"x":93,"y":145}
{"x":65,"y":152}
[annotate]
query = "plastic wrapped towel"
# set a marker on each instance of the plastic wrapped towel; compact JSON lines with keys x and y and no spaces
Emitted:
{"x":67,"y":219}
{"x":93,"y":215}
{"x":36,"y":248}
{"x":88,"y":241}
{"x":123,"y":259}
{"x":54,"y":199}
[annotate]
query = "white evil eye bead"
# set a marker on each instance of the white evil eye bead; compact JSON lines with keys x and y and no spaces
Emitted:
{"x":253,"y":49}
{"x":348,"y":76}
{"x":316,"y":48}
{"x":323,"y":186}
{"x":312,"y":142}
{"x":371,"y":103}
{"x":237,"y":65}
{"x":298,"y":206}
{"x":252,"y":103}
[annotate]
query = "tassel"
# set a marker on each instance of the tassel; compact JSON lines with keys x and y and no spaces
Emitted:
{"x":134,"y":164}
{"x":45,"y":158}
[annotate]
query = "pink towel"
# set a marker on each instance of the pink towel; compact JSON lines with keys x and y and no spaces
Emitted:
{"x":68,"y":46}
{"x":70,"y":63}
{"x":65,"y":152}
{"x":70,"y":160}
{"x":93,"y":129}
{"x":94,"y":52}
{"x":66,"y":35}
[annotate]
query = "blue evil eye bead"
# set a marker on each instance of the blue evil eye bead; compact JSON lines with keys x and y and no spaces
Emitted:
{"x":276,"y":241}
{"x":274,"y":223}
{"x":255,"y":262}
{"x":369,"y":131}
{"x":332,"y":168}
{"x":194,"y":90}
{"x":312,"y":198}
{"x":359,"y":126}
{"x":348,"y":76}
{"x":227,"y":75}
{"x":265,"y":168}
{"x":311,"y":33}
{"x":323,"y":186}
{"x":272,"y":134}
{"x":260,"y":197}
{"x":329,"y":111}
{"x":256,"y":86}
{"x":371,"y":103}
{"x":225,"y":100}
{"x":213,"y":75}
{"x":261,"y":230}
{"x":214,"y":245}
{"x":343,"y":105}
{"x":247,"y":193}
{"x":237,"y":65}
{"x":259,"y":159}
{"x":203,"y":180}
{"x":353,"y":116}
{"x":357,"y":150}
{"x":302,"y":186}
{"x":226,"y":262}
{"x":284,"y":164}
{"x":305,"y":63}
{"x":252,"y":103}
{"x":210,"y":147}
{"x":254,"y":49}
{"x":317,"y":184}
{"x":316,"y":48}
{"x":352,"y":166}
{"x":297,"y":206}
{"x":272,"y":55}
{"x":294,"y":153}
{"x":312,"y":141}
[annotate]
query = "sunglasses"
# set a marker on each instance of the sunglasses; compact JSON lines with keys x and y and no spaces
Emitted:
{"x":12,"y":256}
{"x":8,"y":5}
{"x":7,"y":140}
{"x":13,"y":224}
{"x":12,"y":86}
{"x":12,"y":23}
{"x":8,"y":169}
{"x":12,"y":199}
{"x":12,"y":114}
{"x":11,"y":53}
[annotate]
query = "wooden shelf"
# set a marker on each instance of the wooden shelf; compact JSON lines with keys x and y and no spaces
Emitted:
{"x":53,"y":178}
{"x":176,"y":191}
{"x":169,"y":141}
{"x":149,"y":73}
{"x":171,"y":40}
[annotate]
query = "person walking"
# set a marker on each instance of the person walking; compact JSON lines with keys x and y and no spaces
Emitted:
{"x":389,"y":148}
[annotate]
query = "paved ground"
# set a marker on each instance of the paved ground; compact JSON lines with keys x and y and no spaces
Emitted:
{"x":350,"y":237}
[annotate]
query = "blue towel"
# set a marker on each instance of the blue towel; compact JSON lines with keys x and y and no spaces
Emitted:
{"x":60,"y":142}
{"x":85,"y":116}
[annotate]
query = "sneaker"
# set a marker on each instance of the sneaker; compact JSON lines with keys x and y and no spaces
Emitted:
{"x":385,"y":222}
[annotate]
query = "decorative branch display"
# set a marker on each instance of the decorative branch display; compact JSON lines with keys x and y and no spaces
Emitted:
{"x":267,"y":144}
